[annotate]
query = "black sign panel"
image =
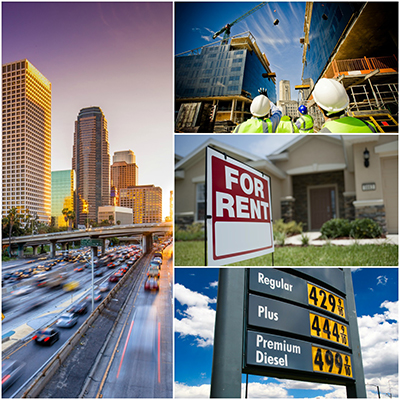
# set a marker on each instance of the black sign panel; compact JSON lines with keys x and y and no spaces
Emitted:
{"x":273,"y":314}
{"x":266,"y":350}
{"x":331,"y":276}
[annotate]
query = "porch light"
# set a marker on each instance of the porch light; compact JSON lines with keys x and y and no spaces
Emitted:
{"x":366,"y":158}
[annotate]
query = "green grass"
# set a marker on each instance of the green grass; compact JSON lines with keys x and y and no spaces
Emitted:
{"x":192,"y":254}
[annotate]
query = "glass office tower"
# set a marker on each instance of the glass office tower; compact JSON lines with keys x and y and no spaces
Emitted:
{"x":26,"y":150}
{"x":228,"y":75}
{"x":91,"y":163}
{"x":62,"y":195}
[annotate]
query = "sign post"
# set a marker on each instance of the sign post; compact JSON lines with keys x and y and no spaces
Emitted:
{"x":238,"y":210}
{"x":297,"y":323}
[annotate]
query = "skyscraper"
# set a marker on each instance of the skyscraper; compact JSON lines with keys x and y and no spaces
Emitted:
{"x":62,"y":195}
{"x":91,"y":163}
{"x":26,"y":172}
{"x":284,"y":90}
{"x":145,"y":201}
{"x":124,"y":171}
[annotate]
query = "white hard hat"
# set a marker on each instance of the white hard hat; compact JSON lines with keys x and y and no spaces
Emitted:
{"x":330,"y":95}
{"x":260,"y":106}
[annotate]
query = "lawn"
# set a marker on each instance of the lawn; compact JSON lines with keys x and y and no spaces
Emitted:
{"x":192,"y":254}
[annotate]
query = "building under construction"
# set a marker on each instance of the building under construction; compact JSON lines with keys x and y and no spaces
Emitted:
{"x":357,"y":44}
{"x":215,"y":84}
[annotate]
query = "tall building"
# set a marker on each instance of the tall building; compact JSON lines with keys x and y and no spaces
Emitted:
{"x":124,"y":172}
{"x":284,"y":90}
{"x":26,"y":150}
{"x":367,"y":68}
{"x":227,"y":76}
{"x":145,"y":201}
{"x":62,"y":195}
{"x":91,"y":163}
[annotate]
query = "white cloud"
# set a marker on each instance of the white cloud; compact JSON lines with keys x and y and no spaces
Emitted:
{"x":382,"y":280}
{"x":197,"y":392}
{"x":261,"y":391}
{"x":198,"y":319}
{"x":213,"y":284}
{"x":379,"y":342}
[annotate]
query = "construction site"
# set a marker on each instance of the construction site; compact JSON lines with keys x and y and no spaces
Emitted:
{"x":353,"y":43}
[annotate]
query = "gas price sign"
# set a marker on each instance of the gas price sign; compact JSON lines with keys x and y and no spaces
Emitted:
{"x":239,"y":213}
{"x":296,"y":327}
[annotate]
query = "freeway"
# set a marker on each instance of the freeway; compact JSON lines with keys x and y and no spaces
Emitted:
{"x":53,"y":302}
{"x":140,"y":365}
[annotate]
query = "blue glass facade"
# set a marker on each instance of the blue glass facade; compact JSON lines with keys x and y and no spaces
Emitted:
{"x":325,"y":32}
{"x":220,"y":71}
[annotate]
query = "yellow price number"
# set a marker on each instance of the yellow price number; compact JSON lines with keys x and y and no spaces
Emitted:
{"x":328,"y":329}
{"x":331,"y":362}
{"x":325,"y":300}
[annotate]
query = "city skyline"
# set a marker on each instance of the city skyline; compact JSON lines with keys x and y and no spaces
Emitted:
{"x":113,"y":55}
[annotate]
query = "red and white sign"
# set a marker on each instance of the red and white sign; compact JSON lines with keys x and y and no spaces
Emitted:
{"x":239,"y":203}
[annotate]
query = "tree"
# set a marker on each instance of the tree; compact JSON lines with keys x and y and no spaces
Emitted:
{"x":13,"y":218}
{"x":111,"y":219}
{"x":65,"y":212}
{"x":71,"y":218}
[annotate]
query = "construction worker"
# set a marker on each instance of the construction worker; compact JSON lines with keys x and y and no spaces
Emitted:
{"x":332,"y":100}
{"x":305,"y":122}
{"x":259,"y":123}
{"x":286,"y":125}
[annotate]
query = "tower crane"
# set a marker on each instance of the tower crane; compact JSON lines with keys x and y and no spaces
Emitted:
{"x":226,"y":30}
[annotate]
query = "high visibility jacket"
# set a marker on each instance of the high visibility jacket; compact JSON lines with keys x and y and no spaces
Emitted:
{"x":254,"y":125}
{"x":347,"y":125}
{"x":286,"y":127}
{"x":307,"y":123}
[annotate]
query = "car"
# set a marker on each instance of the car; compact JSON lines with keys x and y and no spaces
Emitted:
{"x":151,"y":283}
{"x":153,"y":271}
{"x":97,"y":296}
{"x":123,"y":269}
{"x":130,"y":262}
{"x":67,"y":320}
{"x":80,"y":308}
{"x":158,"y":254}
{"x":99,"y":272}
{"x":104,"y":286}
{"x":11,"y":370}
{"x":78,"y":269}
{"x":47,"y":336}
{"x":113,"y":278}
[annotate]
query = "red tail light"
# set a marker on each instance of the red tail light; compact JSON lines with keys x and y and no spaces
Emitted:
{"x":35,"y":337}
{"x":5,"y":378}
{"x":46,"y":339}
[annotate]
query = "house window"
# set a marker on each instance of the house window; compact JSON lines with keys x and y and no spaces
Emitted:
{"x":200,"y":201}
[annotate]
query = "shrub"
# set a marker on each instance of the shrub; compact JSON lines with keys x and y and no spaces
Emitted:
{"x":192,"y":232}
{"x":305,"y":240}
{"x":289,"y":228}
{"x":335,"y":228}
{"x":365,"y":228}
{"x":280,"y":238}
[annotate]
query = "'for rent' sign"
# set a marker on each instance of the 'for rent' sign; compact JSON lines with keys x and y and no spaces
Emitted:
{"x":239,"y":223}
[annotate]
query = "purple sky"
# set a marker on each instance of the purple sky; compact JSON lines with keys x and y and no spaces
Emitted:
{"x":117,"y":56}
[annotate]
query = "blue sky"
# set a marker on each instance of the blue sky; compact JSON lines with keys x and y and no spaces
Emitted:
{"x":376,"y":294}
{"x":195,"y":23}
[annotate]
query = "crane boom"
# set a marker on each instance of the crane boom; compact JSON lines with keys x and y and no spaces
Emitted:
{"x":226,"y":30}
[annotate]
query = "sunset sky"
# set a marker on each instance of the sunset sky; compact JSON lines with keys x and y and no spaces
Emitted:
{"x":117,"y":56}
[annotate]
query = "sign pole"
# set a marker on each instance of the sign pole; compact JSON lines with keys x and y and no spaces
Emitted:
{"x":356,"y":389}
{"x":92,"y":255}
{"x":226,"y":374}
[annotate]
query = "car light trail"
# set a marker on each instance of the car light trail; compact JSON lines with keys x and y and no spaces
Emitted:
{"x":123,"y":353}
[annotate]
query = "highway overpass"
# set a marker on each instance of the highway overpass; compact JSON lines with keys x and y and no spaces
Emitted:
{"x":143,"y":233}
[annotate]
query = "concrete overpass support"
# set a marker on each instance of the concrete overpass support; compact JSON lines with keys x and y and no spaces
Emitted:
{"x":53,"y":248}
{"x":21,"y":250}
{"x":35,"y":249}
{"x":147,"y":243}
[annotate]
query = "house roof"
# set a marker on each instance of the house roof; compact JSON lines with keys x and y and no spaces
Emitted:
{"x":197,"y":154}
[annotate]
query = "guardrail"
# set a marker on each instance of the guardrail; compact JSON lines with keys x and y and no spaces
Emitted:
{"x":43,"y":376}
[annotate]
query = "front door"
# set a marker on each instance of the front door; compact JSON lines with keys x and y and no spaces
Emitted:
{"x":322,"y":206}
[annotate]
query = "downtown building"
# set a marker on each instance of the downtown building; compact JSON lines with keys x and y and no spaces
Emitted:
{"x":62,"y":195}
{"x":145,"y":201}
{"x":218,"y":82}
{"x":26,"y":142}
{"x":355,"y":43}
{"x":91,"y":163}
{"x":124,"y":173}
